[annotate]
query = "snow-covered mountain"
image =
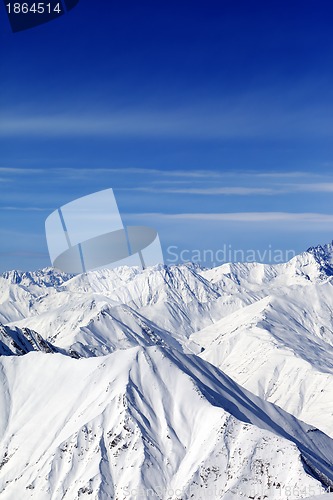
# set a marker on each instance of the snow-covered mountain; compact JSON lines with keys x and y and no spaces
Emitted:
{"x":120,"y":379}
{"x":148,"y":419}
{"x":280,"y":348}
{"x":16,"y":341}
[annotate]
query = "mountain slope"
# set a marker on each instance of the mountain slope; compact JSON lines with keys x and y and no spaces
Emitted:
{"x":179,"y":301}
{"x":269,"y":327}
{"x":23,"y":293}
{"x":280,"y":348}
{"x":148,"y":418}
{"x":312,"y":266}
{"x":16,"y":341}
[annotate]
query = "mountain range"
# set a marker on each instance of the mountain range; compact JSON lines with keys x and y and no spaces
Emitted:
{"x":170,"y":382}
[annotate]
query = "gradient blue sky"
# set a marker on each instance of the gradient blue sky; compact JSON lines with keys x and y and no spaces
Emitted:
{"x":212,"y":122}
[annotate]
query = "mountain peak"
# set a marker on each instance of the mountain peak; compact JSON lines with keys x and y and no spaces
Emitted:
{"x":48,"y":277}
{"x":323,"y":254}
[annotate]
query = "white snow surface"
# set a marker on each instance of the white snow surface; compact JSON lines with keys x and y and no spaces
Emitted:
{"x":116,"y":384}
{"x":147,"y":418}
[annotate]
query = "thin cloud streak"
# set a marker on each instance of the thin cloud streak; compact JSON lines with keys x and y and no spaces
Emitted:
{"x":223,"y":121}
{"x":241,"y":191}
{"x":286,"y":175}
{"x":25,"y":209}
{"x":242,"y":217}
{"x":322,"y":187}
{"x":229,"y":191}
{"x":87,"y":172}
{"x":279,"y":189}
{"x":205,"y":174}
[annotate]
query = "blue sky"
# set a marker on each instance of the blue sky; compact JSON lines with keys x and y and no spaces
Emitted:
{"x":211,"y":121}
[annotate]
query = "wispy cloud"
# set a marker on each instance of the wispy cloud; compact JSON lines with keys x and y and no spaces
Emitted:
{"x":243,"y":217}
{"x":285,"y":174}
{"x":322,"y":187}
{"x":20,"y":171}
{"x":270,"y":190}
{"x":140,"y":124}
{"x":24,"y":209}
{"x":163,"y":174}
{"x":241,"y":191}
{"x":88,"y":172}
{"x":243,"y":117}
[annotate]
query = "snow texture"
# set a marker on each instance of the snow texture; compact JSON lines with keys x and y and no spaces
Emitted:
{"x":170,"y":383}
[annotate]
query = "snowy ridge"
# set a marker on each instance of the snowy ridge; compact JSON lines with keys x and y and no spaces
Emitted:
{"x":47,"y":277}
{"x":324,"y":256}
{"x":16,"y":341}
{"x":281,"y":341}
{"x":147,"y":401}
{"x":137,"y":419}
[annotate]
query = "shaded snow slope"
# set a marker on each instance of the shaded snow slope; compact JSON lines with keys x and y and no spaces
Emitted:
{"x":16,"y":341}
